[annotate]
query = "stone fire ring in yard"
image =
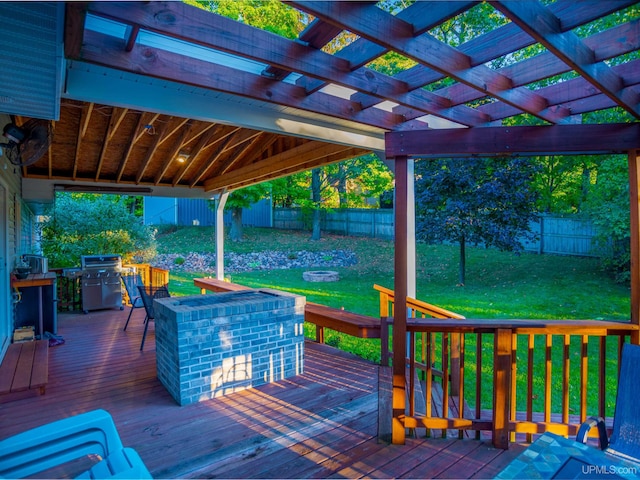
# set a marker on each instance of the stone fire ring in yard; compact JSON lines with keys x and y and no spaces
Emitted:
{"x":320,"y":276}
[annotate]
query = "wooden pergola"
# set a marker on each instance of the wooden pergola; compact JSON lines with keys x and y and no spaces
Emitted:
{"x":141,"y":83}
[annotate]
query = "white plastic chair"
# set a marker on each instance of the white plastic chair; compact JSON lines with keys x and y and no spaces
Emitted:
{"x":53,"y":444}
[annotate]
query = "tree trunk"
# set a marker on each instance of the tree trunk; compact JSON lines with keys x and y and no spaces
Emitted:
{"x":463,"y":261}
{"x":236,"y":224}
{"x":315,"y":197}
{"x":342,"y":186}
{"x":585,"y":186}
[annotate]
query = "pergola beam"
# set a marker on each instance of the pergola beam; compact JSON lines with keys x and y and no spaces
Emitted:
{"x":522,"y":140}
{"x":545,"y":27}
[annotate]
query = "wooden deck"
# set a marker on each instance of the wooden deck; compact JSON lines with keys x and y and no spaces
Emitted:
{"x":320,"y":424}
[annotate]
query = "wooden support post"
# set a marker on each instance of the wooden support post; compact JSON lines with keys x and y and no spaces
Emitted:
{"x":634,"y":189}
{"x":220,"y":203}
{"x":502,"y":387}
{"x":384,"y":404}
{"x":399,"y":341}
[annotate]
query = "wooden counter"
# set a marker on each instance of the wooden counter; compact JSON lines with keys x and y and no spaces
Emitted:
{"x":34,"y":280}
{"x":38,"y":305}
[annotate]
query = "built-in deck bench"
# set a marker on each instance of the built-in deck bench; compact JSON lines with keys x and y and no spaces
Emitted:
{"x":25,"y":366}
{"x":321,"y":316}
{"x":215,"y":285}
{"x":341,"y":321}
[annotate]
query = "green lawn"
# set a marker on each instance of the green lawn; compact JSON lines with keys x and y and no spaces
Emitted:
{"x":499,"y":285}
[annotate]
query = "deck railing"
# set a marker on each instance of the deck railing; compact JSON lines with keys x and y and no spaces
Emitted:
{"x":151,"y":276}
{"x":508,"y":376}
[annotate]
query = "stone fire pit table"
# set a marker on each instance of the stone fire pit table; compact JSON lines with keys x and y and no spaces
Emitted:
{"x":214,"y":344}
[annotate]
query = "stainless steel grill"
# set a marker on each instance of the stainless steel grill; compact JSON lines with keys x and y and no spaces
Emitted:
{"x":101,"y":287}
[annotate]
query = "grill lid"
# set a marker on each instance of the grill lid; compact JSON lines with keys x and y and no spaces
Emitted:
{"x":101,"y":262}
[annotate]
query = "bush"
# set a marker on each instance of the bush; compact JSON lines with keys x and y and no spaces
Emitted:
{"x":84,"y":224}
{"x":608,"y":208}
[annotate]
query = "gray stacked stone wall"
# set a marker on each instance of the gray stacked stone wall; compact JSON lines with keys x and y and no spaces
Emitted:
{"x":214,"y":344}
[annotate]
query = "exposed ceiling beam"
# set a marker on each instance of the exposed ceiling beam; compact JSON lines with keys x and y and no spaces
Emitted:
{"x":85,"y":117}
{"x":212,"y":157}
{"x":178,"y":142}
{"x":423,"y":15}
{"x":574,"y":91}
{"x":526,"y":140}
{"x":144,"y":121}
{"x":267,"y":168}
{"x":95,"y":83}
{"x":161,"y":131}
{"x":203,"y":139}
{"x":105,"y":143}
{"x":75,"y":15}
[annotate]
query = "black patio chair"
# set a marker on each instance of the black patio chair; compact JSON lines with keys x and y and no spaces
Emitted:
{"x":147,"y":295}
{"x":131,"y":283}
{"x":624,"y":441}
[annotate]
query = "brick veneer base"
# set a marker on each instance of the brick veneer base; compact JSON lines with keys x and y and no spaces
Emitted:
{"x":215,"y":344}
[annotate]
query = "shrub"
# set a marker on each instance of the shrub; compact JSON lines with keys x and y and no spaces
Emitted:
{"x":84,"y":224}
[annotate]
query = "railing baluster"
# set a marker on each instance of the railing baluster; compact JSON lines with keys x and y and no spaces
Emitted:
{"x":602,"y":404}
{"x":461,"y":401}
{"x":514,"y":358}
{"x":445,"y":378}
{"x":429,"y":378}
{"x":478,"y":379}
{"x":547,"y":377}
{"x":584,"y":376}
{"x":565,"y":379}
{"x":530,"y":361}
{"x":412,"y":374}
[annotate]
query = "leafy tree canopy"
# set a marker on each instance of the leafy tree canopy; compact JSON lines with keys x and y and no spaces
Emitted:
{"x":486,"y":201}
{"x":608,"y":209}
{"x":86,"y":224}
{"x":270,"y":15}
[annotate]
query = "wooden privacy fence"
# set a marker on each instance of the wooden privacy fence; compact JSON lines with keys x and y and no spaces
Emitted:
{"x":510,"y":377}
{"x":561,"y":235}
{"x":355,"y":222}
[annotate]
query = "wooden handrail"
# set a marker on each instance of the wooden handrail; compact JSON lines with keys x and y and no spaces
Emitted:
{"x":579,"y":359}
{"x":151,"y":276}
{"x":414,"y":304}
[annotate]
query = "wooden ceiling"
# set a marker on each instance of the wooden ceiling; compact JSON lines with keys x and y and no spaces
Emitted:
{"x":475,"y":84}
{"x":101,"y":143}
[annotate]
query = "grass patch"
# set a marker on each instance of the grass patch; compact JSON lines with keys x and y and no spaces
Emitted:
{"x":499,"y":284}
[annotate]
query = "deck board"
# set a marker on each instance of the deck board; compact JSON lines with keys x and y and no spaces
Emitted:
{"x":320,"y":424}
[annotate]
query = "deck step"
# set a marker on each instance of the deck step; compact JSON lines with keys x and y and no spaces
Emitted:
{"x":25,"y":366}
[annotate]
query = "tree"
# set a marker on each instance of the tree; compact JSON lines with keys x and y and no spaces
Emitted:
{"x":316,"y":198}
{"x":86,"y":224}
{"x":357,"y":179}
{"x":608,"y":208}
{"x":239,"y":199}
{"x":487,"y":201}
{"x":270,"y":15}
{"x":291,"y":191}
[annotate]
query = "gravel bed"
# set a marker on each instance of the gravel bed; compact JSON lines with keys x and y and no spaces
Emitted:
{"x":247,"y":262}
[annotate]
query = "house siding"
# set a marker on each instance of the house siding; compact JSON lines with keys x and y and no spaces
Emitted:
{"x":19,"y":234}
